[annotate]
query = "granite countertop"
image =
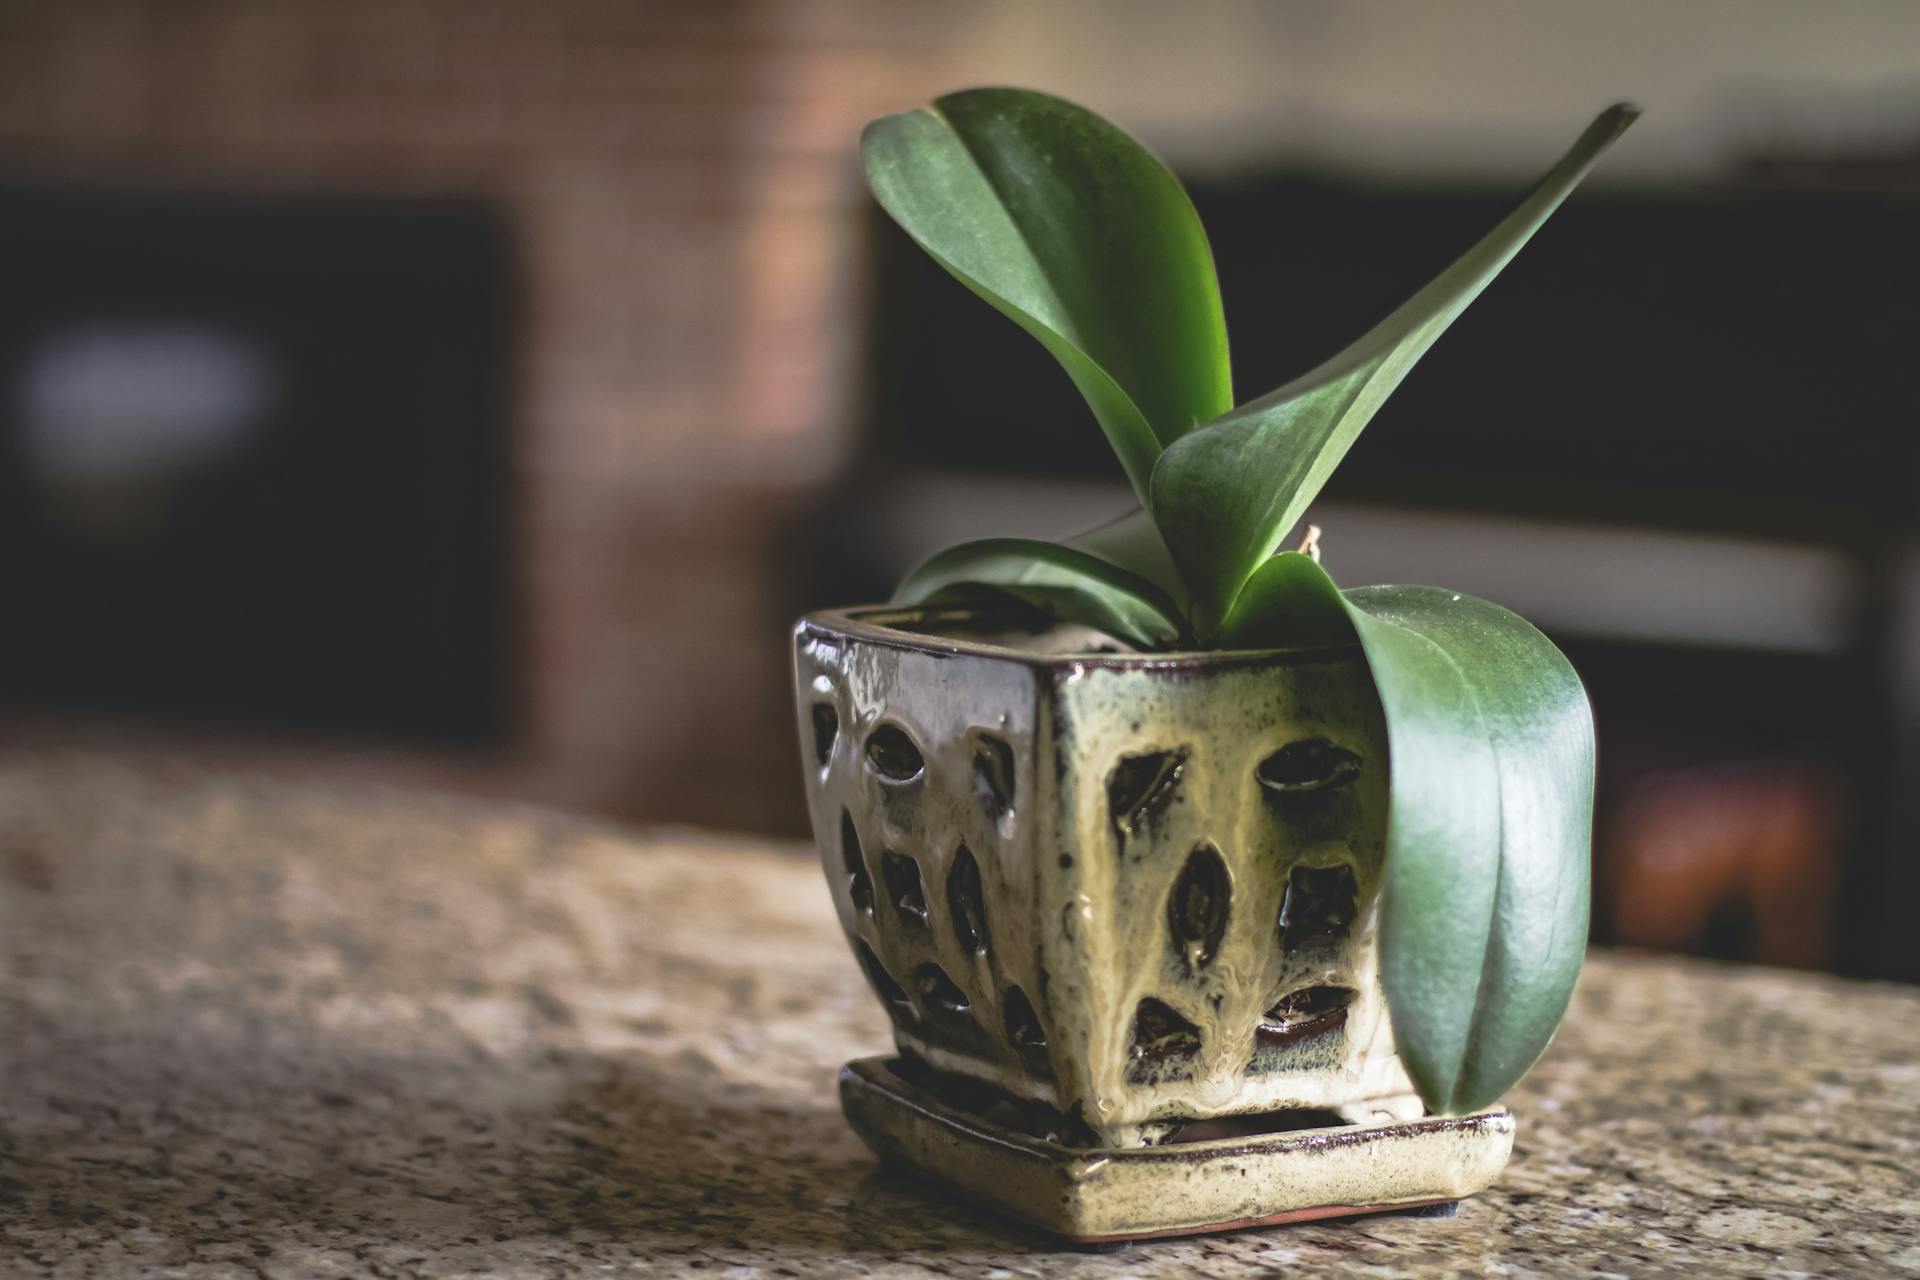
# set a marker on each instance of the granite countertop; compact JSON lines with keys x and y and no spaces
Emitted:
{"x":250,"y":1026}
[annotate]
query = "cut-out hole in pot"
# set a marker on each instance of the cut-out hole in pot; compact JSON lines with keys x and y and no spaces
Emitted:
{"x":967,"y":902}
{"x":1024,"y":1031}
{"x":892,"y":754}
{"x":1198,"y":907}
{"x":904,"y":890}
{"x":939,"y":993}
{"x":1319,"y":907}
{"x":859,"y":884}
{"x":1164,"y":1043}
{"x":882,"y":982}
{"x":1257,"y":1124}
{"x":826,"y":729}
{"x":993,"y":776}
{"x":1311,"y":1011}
{"x":1311,"y":764}
{"x":1141,"y":786}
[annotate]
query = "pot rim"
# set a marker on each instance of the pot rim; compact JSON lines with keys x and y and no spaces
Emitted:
{"x":880,"y":624}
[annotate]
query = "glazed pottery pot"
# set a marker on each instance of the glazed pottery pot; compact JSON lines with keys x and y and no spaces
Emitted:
{"x":1121,"y":911}
{"x":1125,"y":893}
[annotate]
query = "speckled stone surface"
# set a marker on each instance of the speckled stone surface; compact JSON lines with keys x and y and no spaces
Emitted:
{"x":249,"y":1027}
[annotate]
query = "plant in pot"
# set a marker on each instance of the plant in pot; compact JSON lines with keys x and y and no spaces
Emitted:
{"x":1200,"y":891}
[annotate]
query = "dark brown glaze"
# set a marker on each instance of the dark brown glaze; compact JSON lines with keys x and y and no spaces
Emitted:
{"x":904,"y":889}
{"x":1164,"y":1043}
{"x":1254,"y":1124}
{"x":966,"y":902}
{"x":939,"y":994}
{"x":1309,"y":1012}
{"x":1141,"y":786}
{"x":1309,"y":765}
{"x":1029,"y":1039}
{"x":993,"y":776}
{"x":1318,"y":909}
{"x":891,"y":994}
{"x":1198,"y":908}
{"x":893,"y":754}
{"x":859,"y":883}
{"x":826,"y":730}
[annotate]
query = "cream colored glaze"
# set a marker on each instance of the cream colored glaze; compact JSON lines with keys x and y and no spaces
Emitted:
{"x":1070,"y":897}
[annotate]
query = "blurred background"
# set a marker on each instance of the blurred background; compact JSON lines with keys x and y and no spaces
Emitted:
{"x":470,"y":393}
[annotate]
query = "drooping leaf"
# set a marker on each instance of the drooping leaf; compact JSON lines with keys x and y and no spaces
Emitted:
{"x":1484,"y":904}
{"x":1539,"y":727}
{"x":1226,"y":495}
{"x":1068,"y":584}
{"x":1077,"y":233}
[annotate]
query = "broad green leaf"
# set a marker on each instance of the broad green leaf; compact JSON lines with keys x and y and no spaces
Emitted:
{"x":1289,"y":603}
{"x":1077,"y":233}
{"x":1226,"y":495}
{"x":1484,"y":904}
{"x":1477,"y":1023}
{"x":1070,"y":584}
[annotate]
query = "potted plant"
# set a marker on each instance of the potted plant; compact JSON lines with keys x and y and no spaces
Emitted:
{"x":1200,"y":891}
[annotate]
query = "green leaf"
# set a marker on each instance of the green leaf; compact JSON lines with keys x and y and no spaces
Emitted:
{"x":1484,"y":904}
{"x":1226,"y":495}
{"x":1082,"y":237}
{"x":1475,"y":1015}
{"x":1069,"y":584}
{"x":1133,"y":542}
{"x":1288,"y":603}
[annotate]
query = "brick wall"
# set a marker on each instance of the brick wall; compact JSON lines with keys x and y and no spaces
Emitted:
{"x":681,"y":180}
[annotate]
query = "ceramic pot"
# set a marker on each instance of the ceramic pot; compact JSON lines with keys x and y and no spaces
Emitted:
{"x":1124,"y":893}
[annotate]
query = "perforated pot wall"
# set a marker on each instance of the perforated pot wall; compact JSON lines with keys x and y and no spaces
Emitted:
{"x":1131,"y":890}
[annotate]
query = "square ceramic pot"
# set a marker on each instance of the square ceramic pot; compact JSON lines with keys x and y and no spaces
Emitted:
{"x":1125,"y":894}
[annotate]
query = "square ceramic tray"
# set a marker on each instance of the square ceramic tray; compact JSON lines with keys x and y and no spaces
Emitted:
{"x":1102,"y":1195}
